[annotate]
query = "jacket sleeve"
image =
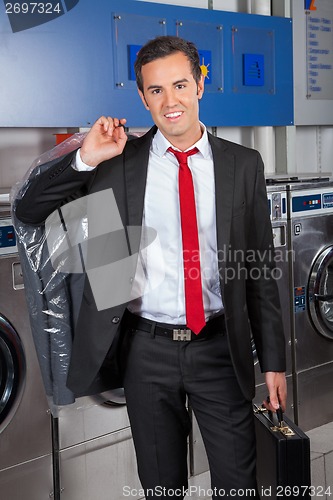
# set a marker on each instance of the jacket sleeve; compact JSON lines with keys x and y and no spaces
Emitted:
{"x":54,"y":184}
{"x":262,"y":292}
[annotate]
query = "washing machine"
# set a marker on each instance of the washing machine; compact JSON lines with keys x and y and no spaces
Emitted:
{"x":310,"y":206}
{"x":26,"y":468}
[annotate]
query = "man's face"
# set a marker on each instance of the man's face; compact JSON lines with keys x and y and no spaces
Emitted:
{"x":172,"y":96}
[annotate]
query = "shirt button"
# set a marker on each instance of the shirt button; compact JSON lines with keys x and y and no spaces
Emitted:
{"x":115,"y":319}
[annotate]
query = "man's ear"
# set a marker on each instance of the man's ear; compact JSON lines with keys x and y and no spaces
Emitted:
{"x":201,"y":87}
{"x":143,"y":99}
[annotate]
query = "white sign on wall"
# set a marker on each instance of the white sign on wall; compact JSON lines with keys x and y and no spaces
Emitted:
{"x":319,"y":50}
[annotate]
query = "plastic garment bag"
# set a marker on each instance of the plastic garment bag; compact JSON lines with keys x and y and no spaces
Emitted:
{"x":53,"y":296}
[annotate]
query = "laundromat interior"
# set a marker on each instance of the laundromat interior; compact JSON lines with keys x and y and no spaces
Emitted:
{"x":269,"y":86}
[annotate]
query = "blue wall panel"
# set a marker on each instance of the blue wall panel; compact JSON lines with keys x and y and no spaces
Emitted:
{"x":70,"y":70}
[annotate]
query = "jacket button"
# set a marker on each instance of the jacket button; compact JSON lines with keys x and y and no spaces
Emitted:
{"x":115,"y":319}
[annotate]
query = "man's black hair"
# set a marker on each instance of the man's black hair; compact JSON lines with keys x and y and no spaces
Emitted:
{"x":164,"y":46}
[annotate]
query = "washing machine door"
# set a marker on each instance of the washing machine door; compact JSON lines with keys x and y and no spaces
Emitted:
{"x":320,"y":293}
{"x":12,"y":371}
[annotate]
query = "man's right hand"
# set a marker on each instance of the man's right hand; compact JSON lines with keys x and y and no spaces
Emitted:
{"x":105,"y":140}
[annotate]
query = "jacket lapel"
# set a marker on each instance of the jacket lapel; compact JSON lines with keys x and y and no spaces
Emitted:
{"x":224,"y":193}
{"x":136,"y":158}
{"x":136,"y":166}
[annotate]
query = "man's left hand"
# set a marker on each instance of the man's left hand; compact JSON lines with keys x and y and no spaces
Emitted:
{"x":277,"y":390}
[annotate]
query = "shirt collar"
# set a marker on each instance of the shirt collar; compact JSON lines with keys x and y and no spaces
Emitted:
{"x":160,"y":144}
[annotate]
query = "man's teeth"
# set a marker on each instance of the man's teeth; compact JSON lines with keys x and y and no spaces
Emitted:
{"x":173,"y":115}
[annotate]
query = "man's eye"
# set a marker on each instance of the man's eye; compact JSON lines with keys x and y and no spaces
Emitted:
{"x":180,"y":86}
{"x":156,"y":91}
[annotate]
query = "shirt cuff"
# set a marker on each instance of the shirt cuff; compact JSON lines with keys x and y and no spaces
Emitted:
{"x":79,"y":165}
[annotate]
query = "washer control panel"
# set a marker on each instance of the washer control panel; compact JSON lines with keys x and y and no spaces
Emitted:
{"x":7,"y":237}
{"x":327,"y":200}
{"x":315,"y":201}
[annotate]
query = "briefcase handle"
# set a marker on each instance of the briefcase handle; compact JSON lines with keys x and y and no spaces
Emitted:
{"x":282,"y":426}
{"x":279,"y":412}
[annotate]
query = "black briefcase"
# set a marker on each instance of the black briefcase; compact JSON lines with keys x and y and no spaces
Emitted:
{"x":283,"y":457}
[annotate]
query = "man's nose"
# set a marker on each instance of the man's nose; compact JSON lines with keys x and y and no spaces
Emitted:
{"x":170,"y":98}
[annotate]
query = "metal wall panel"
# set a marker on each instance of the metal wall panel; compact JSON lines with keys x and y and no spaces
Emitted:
{"x":103,"y":468}
{"x":64,"y":73}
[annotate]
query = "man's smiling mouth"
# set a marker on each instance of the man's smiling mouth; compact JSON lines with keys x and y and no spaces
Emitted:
{"x":176,"y":114}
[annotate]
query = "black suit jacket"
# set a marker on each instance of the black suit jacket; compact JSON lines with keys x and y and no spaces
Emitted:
{"x":245,"y":251}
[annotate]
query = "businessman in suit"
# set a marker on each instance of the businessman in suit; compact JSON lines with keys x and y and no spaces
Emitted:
{"x":190,"y":338}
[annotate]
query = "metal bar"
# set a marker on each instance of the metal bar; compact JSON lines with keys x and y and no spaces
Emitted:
{"x":56,"y":458}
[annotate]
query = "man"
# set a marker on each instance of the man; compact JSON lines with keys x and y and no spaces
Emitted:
{"x":190,"y":337}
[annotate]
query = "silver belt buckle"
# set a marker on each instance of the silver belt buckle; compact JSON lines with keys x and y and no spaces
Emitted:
{"x":181,"y":334}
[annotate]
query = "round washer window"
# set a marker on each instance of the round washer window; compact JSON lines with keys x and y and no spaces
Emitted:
{"x":12,"y":371}
{"x":320,"y":293}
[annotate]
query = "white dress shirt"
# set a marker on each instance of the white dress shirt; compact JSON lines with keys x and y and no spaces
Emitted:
{"x":159,"y":279}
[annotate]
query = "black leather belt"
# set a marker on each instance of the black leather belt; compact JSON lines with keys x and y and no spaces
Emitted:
{"x":214,"y":326}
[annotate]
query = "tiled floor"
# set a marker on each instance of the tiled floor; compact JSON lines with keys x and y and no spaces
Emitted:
{"x":321,"y":445}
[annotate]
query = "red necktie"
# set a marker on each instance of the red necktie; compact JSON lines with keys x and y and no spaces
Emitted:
{"x":195,"y":315}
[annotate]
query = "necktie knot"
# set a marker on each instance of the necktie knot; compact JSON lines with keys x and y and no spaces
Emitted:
{"x":183,"y":155}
